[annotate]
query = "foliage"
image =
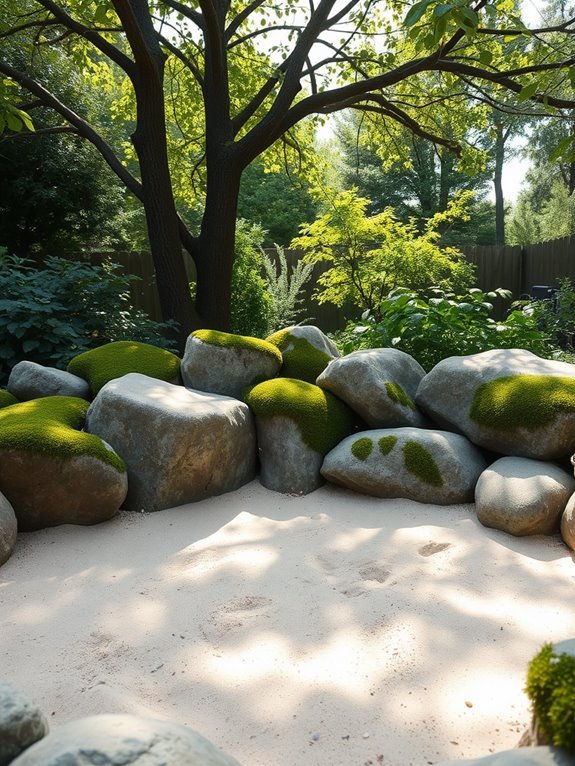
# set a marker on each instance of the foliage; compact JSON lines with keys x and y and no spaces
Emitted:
{"x":556,"y":315}
{"x":50,"y":315}
{"x":284,"y":287}
{"x":370,"y":255}
{"x":251,"y":301}
{"x":443,"y":325}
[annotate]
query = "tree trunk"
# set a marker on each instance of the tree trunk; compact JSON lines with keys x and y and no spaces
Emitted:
{"x":497,"y":176}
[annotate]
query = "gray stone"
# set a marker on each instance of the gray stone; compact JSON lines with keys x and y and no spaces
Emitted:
{"x":524,"y":756}
{"x":522,"y":496}
{"x":379,"y":384}
{"x":21,"y":723}
{"x":506,"y":400}
{"x":228,"y":368}
{"x":179,"y":446}
{"x":118,"y":740}
{"x":306,"y":351}
{"x":29,"y":380}
{"x":418,"y":464}
{"x":568,"y":523}
{"x":316,"y":338}
{"x":8,"y":529}
{"x":287,"y":464}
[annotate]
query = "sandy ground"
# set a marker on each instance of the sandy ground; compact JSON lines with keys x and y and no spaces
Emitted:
{"x":332,"y":629}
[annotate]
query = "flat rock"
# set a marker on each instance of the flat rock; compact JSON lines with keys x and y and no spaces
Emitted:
{"x":522,"y":496}
{"x":524,"y":756}
{"x":29,"y":380}
{"x":8,"y":530}
{"x":179,"y":446}
{"x":506,"y":400}
{"x":118,"y":740}
{"x":21,"y":723}
{"x":418,"y":464}
{"x":379,"y":384}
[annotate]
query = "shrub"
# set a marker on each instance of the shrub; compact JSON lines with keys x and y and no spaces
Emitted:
{"x":285,"y":287}
{"x":52,"y":314}
{"x":434,"y":328}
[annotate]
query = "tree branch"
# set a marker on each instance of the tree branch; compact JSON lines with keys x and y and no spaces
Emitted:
{"x":236,"y":23}
{"x":186,"y":11}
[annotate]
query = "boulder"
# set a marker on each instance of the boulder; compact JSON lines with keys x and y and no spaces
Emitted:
{"x":522,"y":496}
{"x":418,"y":464}
{"x":379,"y":384}
{"x":297,"y":423}
{"x":124,"y":739}
{"x":29,"y":380}
{"x":568,"y":523}
{"x":525,"y":756}
{"x":243,"y":360}
{"x":53,"y":473}
{"x":306,"y":351}
{"x":21,"y":723}
{"x":6,"y":398}
{"x":113,"y":360}
{"x":179,"y":446}
{"x":506,"y":400}
{"x":8,"y":531}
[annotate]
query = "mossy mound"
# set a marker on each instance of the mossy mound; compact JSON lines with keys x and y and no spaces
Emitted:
{"x":362,"y":448}
{"x":301,"y":360}
{"x":100,"y":365}
{"x":398,"y":395}
{"x":6,"y":398}
{"x":386,"y":444}
{"x":522,"y":401}
{"x":551,"y":688}
{"x":229,"y":340}
{"x":419,"y":461}
{"x":51,"y":426}
{"x":322,"y":419}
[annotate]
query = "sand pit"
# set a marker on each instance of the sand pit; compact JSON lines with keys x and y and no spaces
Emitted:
{"x":332,"y":629}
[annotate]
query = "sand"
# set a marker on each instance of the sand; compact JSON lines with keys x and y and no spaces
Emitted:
{"x":323,"y":630}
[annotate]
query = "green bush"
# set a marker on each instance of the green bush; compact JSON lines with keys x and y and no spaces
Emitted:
{"x":251,"y":301}
{"x":443,"y":325}
{"x":52,"y":314}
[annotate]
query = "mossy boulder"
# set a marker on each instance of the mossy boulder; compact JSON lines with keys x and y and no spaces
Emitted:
{"x":379,"y":384}
{"x":297,"y":423}
{"x":306,"y":351}
{"x":29,"y":380}
{"x":418,"y":464}
{"x":100,"y":365}
{"x":223,"y":363}
{"x":6,"y":398}
{"x":522,"y":496}
{"x":51,"y":471}
{"x":506,"y":400}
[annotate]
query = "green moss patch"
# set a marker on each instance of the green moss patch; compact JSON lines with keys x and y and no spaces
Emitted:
{"x":322,"y":419}
{"x":6,"y":398}
{"x":386,"y":444}
{"x":100,"y":365}
{"x":301,"y":360}
{"x":398,"y":395}
{"x":228,"y":340}
{"x":522,"y":401}
{"x":551,"y":688}
{"x":362,"y":448}
{"x":50,"y":426}
{"x":420,"y":463}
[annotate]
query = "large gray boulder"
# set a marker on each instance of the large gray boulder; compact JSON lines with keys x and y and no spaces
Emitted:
{"x":506,"y":400}
{"x":179,"y":446}
{"x":29,"y":380}
{"x":379,"y":384}
{"x":524,"y":756}
{"x":22,"y":723}
{"x":115,"y":740}
{"x":306,"y":351}
{"x":222,"y":363}
{"x":568,"y":523}
{"x":522,"y":496}
{"x":8,"y":529}
{"x":424,"y":465}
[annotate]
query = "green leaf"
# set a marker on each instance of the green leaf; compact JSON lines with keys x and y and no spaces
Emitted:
{"x":527,"y":92}
{"x":486,"y":57}
{"x":416,"y":12}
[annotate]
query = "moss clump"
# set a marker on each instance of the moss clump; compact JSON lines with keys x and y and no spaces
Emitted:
{"x":228,"y":340}
{"x":6,"y":398}
{"x":386,"y":444}
{"x":398,"y":395}
{"x":362,"y":448}
{"x":323,"y":420}
{"x":522,"y":401}
{"x":51,"y":426}
{"x":551,"y":688}
{"x":100,"y":365}
{"x":301,"y":360}
{"x":420,"y":463}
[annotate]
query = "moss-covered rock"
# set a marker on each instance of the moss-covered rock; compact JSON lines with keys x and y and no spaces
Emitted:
{"x":397,"y":394}
{"x":6,"y":398}
{"x":386,"y":444}
{"x":100,"y":365}
{"x":306,"y":352}
{"x":229,"y":340}
{"x":362,"y":448}
{"x":420,"y":462}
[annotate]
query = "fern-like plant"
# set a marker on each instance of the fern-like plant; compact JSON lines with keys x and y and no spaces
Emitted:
{"x":285,"y":285}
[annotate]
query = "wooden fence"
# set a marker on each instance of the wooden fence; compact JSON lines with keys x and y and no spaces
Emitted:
{"x":516,"y":268}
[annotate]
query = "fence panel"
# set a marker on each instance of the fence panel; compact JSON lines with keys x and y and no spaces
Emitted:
{"x":548,"y":262}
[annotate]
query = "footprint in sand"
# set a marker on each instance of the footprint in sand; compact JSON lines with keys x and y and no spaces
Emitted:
{"x":432,"y":548}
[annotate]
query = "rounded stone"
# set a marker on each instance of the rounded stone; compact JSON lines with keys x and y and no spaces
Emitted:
{"x":21,"y":723}
{"x":29,"y":380}
{"x":568,"y":523}
{"x":8,"y":529}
